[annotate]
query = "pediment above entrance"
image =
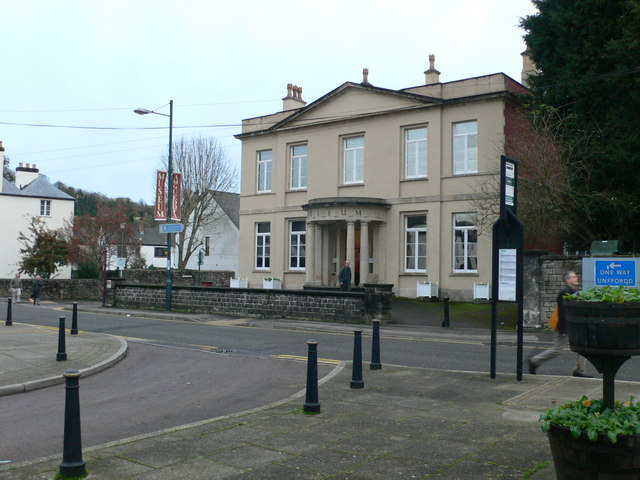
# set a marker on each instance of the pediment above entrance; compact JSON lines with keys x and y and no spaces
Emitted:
{"x":347,"y":209}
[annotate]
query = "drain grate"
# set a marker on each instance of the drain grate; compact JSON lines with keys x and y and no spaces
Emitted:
{"x":223,"y":351}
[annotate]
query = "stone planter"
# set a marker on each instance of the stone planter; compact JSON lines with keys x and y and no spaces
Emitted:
{"x":239,"y":283}
{"x":271,"y":284}
{"x":581,"y":458}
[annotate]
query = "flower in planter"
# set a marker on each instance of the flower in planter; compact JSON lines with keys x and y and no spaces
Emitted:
{"x":590,"y":417}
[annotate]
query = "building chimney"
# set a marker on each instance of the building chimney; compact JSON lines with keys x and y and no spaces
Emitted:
{"x":432,"y":75}
{"x":293,"y":100}
{"x":25,"y":175}
{"x":365,"y":77}
{"x":528,"y":68}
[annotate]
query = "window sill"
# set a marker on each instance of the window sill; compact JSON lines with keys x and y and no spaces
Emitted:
{"x":414,"y":274}
{"x":266,"y":193}
{"x":347,"y":185}
{"x":296,"y":190}
{"x":464,"y":274}
{"x":286,"y":272}
{"x":416,"y":179}
{"x":261,"y":271}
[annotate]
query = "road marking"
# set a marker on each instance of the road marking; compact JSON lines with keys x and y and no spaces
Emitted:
{"x":326,"y":361}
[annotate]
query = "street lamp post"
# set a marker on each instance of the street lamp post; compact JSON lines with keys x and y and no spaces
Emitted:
{"x":169,"y":283}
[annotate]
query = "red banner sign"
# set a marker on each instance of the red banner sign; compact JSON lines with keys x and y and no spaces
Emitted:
{"x":176,"y":195}
{"x":161,"y":195}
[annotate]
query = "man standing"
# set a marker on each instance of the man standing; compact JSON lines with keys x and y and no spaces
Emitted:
{"x":560,"y":337}
{"x":16,"y":288}
{"x":344,"y":277}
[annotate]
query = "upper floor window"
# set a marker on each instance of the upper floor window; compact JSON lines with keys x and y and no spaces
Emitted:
{"x":297,"y":240}
{"x":353,"y":160}
{"x":415,"y":152}
{"x":465,"y":242}
{"x":45,"y":208}
{"x":415,"y":251}
{"x":263,"y":245}
{"x":207,"y":246}
{"x":465,"y":147}
{"x":264,"y":171}
{"x":298,"y":167}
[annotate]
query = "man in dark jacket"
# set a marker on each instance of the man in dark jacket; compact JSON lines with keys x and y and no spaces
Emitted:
{"x":344,"y":277}
{"x":560,"y":337}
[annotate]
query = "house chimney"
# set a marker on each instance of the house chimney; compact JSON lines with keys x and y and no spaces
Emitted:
{"x":432,"y":75}
{"x":293,"y":100}
{"x":25,"y":175}
{"x":365,"y":77}
{"x":528,"y":68}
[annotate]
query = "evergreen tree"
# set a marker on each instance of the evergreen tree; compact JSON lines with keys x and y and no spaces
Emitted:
{"x":587,"y":53}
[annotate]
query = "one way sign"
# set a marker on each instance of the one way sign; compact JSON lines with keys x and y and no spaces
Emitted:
{"x":615,"y":273}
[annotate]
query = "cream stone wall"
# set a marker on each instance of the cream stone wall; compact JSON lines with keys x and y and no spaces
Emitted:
{"x":381,"y":118}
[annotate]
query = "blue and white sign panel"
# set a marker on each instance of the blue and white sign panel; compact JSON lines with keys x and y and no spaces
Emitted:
{"x":615,"y":273}
{"x":609,"y":271}
{"x":171,"y":227}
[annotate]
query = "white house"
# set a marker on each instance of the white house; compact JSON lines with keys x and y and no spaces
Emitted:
{"x":32,"y":195}
{"x":220,"y":240}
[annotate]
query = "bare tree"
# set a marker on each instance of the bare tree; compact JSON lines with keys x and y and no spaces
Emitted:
{"x":546,"y":198}
{"x":206,"y":174}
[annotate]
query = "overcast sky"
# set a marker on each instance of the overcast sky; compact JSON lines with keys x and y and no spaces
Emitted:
{"x":89,"y":63}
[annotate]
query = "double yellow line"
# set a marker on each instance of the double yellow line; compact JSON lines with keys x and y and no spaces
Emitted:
{"x":326,"y":361}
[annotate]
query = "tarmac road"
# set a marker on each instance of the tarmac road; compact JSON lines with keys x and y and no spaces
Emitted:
{"x":153,"y":388}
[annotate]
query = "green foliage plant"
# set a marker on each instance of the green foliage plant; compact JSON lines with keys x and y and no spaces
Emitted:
{"x":608,"y":294}
{"x":592,"y":418}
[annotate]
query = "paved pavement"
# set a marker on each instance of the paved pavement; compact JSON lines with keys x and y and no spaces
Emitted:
{"x":406,"y":423}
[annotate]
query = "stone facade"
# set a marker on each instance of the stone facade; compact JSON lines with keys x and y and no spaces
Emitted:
{"x":542,"y":282}
{"x":212,"y":278}
{"x":60,"y":289}
{"x":335,"y":306}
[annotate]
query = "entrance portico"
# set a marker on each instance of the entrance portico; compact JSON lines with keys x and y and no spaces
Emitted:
{"x":345,"y":228}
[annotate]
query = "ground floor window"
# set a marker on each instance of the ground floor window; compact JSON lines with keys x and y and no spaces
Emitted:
{"x":160,"y":252}
{"x":415,"y":248}
{"x":263,"y":245}
{"x":297,"y":240}
{"x":465,"y":243}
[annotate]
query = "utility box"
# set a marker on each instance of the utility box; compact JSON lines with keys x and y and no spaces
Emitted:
{"x":604,"y":247}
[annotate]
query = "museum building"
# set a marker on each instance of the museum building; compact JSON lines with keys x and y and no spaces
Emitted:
{"x":387,"y":179}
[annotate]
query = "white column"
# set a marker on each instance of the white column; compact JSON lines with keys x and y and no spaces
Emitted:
{"x":317,"y":255}
{"x":338,"y":253}
{"x":309,"y":261}
{"x":382,"y":249}
{"x":324,"y":267}
{"x":351,"y":246}
{"x":364,"y":252}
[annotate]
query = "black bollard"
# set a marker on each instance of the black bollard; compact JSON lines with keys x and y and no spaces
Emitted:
{"x":356,"y":378}
{"x":375,"y":347}
{"x":311,"y":404}
{"x":74,"y":319}
{"x":62,"y":354}
{"x":72,"y":464}
{"x":9,"y":322}
{"x":445,"y":322}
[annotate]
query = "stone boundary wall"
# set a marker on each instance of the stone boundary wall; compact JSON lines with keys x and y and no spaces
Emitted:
{"x":214,"y":278}
{"x":59,"y":288}
{"x":346,"y":307}
{"x":542,"y":282}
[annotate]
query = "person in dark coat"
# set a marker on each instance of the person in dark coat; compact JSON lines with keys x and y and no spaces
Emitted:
{"x":344,"y":277}
{"x":560,"y":337}
{"x":36,"y":289}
